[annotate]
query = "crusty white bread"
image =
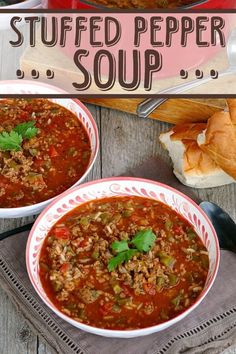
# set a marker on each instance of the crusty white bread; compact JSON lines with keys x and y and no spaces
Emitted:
{"x":192,"y":165}
{"x":232,"y":109}
{"x":218,"y":141}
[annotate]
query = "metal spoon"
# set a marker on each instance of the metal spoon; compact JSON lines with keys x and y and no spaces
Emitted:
{"x":16,"y":231}
{"x":225,"y":227}
{"x":146,"y":107}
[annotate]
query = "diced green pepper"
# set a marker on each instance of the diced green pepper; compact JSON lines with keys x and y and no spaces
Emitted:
{"x":71,"y":306}
{"x":176,"y":301}
{"x":44,"y":266}
{"x":160,"y":282}
{"x":116,"y":218}
{"x":116,"y":308}
{"x":95,"y":294}
{"x":105,"y":218}
{"x":166,"y":260}
{"x":85,"y":154}
{"x":173,"y":279}
{"x":168,"y":224}
{"x":204,"y":260}
{"x":72,"y":151}
{"x":124,"y":301}
{"x":127,"y":213}
{"x":84,"y":221}
{"x":14,"y":165}
{"x":191,"y":235}
{"x":33,"y":152}
{"x":95,"y":255}
{"x":57,"y":286}
{"x":117,"y":289}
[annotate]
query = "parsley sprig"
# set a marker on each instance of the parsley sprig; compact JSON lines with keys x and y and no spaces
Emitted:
{"x":27,"y":130}
{"x":13,"y":140}
{"x":143,"y":241}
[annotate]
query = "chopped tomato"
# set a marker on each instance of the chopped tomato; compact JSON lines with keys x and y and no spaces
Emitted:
{"x":149,"y":288}
{"x":64,"y":268}
{"x":38,"y":162}
{"x":53,"y":152}
{"x":83,"y":243}
{"x":126,"y":291}
{"x":177,"y":229}
{"x":134,"y":218}
{"x":62,"y":233}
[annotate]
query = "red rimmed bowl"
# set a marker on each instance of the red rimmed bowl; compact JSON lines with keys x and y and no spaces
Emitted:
{"x":111,"y":187}
{"x":84,"y":116}
{"x":83,"y":4}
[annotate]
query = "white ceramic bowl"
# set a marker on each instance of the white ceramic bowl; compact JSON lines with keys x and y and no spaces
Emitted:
{"x":6,"y":17}
{"x":121,"y":187}
{"x":75,"y":106}
{"x":27,"y":4}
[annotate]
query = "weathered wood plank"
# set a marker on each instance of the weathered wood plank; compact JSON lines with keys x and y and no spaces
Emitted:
{"x":127,"y":141}
{"x":15,"y":335}
{"x":96,"y":172}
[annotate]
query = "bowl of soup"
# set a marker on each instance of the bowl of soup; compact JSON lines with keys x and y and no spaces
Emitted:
{"x":122,"y":257}
{"x":46,"y":147}
{"x":141,"y":4}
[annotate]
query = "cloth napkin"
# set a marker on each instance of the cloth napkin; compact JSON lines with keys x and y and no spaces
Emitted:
{"x":209,"y":329}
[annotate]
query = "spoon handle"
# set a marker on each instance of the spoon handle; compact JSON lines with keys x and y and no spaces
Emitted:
{"x":18,"y":230}
{"x":146,"y":107}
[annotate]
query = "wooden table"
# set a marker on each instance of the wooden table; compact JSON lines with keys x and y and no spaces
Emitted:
{"x":126,"y":141}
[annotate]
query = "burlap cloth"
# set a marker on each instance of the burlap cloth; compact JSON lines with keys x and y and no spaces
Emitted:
{"x":210,"y":329}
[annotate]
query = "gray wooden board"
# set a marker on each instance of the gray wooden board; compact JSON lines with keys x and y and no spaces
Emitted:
{"x":126,"y":141}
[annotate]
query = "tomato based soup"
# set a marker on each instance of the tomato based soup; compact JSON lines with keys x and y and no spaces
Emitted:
{"x":150,"y":4}
{"x":125,"y":4}
{"x":123,"y":263}
{"x":44,"y":149}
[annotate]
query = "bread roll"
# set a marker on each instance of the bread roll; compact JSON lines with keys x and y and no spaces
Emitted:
{"x":192,"y":165}
{"x":218,"y":141}
{"x":232,"y":110}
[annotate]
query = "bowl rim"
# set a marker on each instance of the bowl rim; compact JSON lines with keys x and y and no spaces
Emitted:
{"x":25,"y":209}
{"x":37,"y":2}
{"x":121,"y":333}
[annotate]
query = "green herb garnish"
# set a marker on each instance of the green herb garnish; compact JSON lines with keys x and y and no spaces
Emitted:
{"x":13,"y":139}
{"x":10,"y":141}
{"x":115,"y":261}
{"x":143,"y":242}
{"x":26,"y":130}
{"x":120,"y":246}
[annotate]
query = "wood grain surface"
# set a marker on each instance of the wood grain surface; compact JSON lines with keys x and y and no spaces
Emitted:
{"x":125,"y":142}
{"x":175,"y":111}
